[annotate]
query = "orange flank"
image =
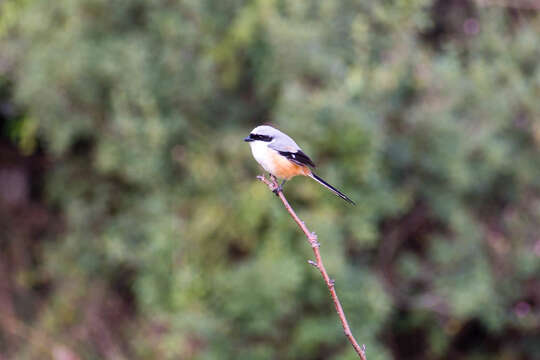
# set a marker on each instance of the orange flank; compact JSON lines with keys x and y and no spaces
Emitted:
{"x":286,"y":169}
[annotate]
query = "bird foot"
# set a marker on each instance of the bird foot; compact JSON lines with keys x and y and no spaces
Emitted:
{"x":277,"y":190}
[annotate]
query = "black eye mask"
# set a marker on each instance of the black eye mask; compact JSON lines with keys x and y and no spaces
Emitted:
{"x":260,"y":137}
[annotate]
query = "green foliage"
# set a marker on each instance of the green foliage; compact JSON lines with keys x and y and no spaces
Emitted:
{"x":434,"y":130}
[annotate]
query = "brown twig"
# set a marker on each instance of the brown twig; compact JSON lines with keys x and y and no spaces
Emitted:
{"x":312,"y":238}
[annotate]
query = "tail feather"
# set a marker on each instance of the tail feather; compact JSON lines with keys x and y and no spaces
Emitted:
{"x":331,"y":188}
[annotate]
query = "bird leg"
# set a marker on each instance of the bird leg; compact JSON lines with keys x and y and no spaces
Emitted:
{"x":275,"y":183}
{"x":279,"y":188}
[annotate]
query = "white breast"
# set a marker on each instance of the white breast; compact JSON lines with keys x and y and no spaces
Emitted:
{"x":262,"y":154}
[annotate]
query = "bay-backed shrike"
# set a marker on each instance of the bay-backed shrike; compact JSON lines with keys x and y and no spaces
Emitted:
{"x":278,"y":154}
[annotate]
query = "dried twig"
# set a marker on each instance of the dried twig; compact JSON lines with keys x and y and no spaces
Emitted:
{"x":312,"y":238}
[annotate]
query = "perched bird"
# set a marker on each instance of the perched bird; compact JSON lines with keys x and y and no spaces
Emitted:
{"x":278,"y":154}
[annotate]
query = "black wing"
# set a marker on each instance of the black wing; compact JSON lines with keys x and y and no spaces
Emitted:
{"x":298,"y":157}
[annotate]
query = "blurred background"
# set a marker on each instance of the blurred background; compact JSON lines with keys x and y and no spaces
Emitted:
{"x":131,"y":223}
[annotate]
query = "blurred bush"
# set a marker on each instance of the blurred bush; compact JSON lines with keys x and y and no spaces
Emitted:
{"x":424,"y":112}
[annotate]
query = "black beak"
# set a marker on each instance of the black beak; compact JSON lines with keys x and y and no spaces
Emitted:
{"x":248,"y":139}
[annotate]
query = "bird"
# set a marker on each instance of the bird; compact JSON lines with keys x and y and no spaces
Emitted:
{"x":279,"y":154}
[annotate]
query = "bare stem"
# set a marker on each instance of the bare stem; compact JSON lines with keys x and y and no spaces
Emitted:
{"x":312,"y":238}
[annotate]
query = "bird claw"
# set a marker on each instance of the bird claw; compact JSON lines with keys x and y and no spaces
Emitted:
{"x":277,"y":190}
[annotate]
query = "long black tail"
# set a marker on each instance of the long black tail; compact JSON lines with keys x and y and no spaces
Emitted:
{"x":331,"y":188}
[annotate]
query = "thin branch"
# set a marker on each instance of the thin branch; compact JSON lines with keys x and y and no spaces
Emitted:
{"x":312,"y":238}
